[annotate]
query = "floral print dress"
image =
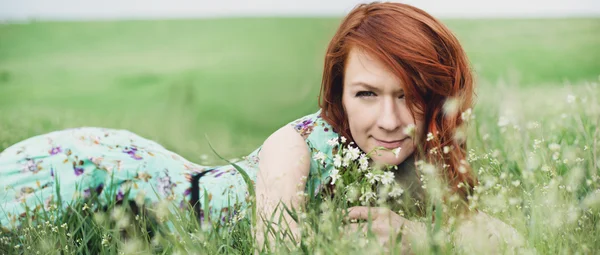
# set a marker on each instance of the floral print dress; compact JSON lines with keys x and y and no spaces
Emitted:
{"x":117,"y":163}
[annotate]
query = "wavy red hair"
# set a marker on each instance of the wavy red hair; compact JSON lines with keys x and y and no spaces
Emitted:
{"x":432,"y":66}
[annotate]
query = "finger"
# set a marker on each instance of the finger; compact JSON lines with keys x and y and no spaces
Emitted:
{"x":355,"y":228}
{"x":365,"y":213}
{"x":359,"y":213}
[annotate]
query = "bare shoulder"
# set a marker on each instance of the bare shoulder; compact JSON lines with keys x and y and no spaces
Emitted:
{"x":284,"y":161}
{"x":285,"y":146}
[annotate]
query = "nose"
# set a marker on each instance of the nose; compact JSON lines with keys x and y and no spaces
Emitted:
{"x":389,"y":118}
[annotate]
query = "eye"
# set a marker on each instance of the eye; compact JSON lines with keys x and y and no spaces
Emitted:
{"x":365,"y":94}
{"x":401,"y":96}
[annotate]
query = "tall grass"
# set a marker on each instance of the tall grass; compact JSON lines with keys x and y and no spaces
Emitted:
{"x":537,"y":159}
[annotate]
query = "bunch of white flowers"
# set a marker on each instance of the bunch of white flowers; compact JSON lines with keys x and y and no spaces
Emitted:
{"x":354,"y":175}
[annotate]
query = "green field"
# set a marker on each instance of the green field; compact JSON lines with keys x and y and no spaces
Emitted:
{"x":238,"y":80}
{"x":235,"y":80}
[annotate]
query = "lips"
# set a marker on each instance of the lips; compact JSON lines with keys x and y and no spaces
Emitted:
{"x":391,"y":144}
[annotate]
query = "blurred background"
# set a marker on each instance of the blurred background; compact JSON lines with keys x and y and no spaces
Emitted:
{"x":235,"y":71}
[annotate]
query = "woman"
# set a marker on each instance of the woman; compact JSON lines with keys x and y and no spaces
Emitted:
{"x":389,"y":67}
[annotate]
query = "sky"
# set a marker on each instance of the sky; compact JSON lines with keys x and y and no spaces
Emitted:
{"x":149,"y":9}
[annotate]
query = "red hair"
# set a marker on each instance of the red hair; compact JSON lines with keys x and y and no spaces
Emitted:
{"x":432,"y":66}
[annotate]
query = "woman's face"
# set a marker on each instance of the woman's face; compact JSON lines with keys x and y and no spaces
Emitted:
{"x":376,"y":109}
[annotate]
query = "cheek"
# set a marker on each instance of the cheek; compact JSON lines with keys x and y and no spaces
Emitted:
{"x":354,"y":112}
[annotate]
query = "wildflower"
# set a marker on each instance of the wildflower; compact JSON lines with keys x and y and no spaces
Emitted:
{"x":337,"y":161}
{"x":462,"y":169}
{"x":447,"y":149}
{"x":319,"y":156}
{"x":352,"y":193}
{"x":554,"y":147}
{"x":451,"y":106}
{"x":332,"y":142}
{"x":503,"y":121}
{"x":301,"y":194}
{"x":387,"y":178}
{"x":363,"y":161}
{"x":85,"y":207}
{"x":460,"y":134}
{"x":429,"y":136}
{"x":428,"y":169}
{"x":346,"y":160}
{"x":367,"y":196}
{"x":467,"y":115}
{"x":397,"y":151}
{"x":396,"y":192}
{"x":343,"y":139}
{"x":570,"y":99}
{"x":433,"y":150}
{"x":334,"y":176}
{"x":409,"y":130}
{"x":133,"y":246}
{"x":372,"y":178}
{"x":353,"y":152}
{"x":533,"y":125}
{"x":105,"y":240}
{"x":485,"y":137}
{"x":516,"y":183}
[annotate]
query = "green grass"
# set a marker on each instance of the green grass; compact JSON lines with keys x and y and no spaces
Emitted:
{"x":238,"y":80}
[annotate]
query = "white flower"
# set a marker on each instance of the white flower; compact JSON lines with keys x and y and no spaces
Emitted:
{"x":368,"y":196}
{"x":354,"y":152}
{"x":346,"y":160}
{"x":372,"y":178}
{"x":466,"y":115}
{"x":397,"y":151}
{"x":516,"y":183}
{"x":396,"y":192}
{"x":387,"y":178}
{"x":409,"y":130}
{"x":570,"y":98}
{"x":343,"y":139}
{"x":364,"y":162}
{"x":335,"y":175}
{"x":428,"y":168}
{"x":451,"y":106}
{"x":447,"y":149}
{"x":320,"y":156}
{"x":533,"y":125}
{"x":503,"y":121}
{"x":429,"y":136}
{"x":337,"y":161}
{"x":352,"y":193}
{"x":301,"y":194}
{"x":332,"y":142}
{"x":554,"y":147}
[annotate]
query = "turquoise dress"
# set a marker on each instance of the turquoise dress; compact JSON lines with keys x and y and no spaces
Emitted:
{"x":117,"y":163}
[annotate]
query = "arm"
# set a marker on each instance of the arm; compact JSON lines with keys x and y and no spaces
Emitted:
{"x":478,"y":234}
{"x":484,"y":233}
{"x":284,"y":161}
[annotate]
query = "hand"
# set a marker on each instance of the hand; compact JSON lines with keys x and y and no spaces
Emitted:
{"x":385,"y":224}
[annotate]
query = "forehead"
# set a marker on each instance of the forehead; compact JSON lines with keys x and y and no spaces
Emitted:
{"x":361,"y":67}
